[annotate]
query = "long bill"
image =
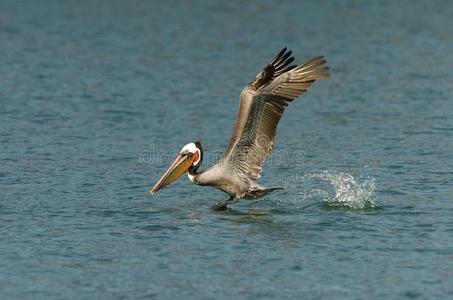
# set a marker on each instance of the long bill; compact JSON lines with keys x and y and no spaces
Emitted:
{"x":179,"y":166}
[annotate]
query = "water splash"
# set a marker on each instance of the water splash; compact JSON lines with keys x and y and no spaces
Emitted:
{"x":348,"y":192}
{"x":338,"y":190}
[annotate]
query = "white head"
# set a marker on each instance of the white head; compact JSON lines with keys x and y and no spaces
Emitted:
{"x":192,"y":148}
{"x":189,"y":159}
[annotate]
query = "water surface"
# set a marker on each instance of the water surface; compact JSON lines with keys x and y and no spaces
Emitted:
{"x":96,"y":97}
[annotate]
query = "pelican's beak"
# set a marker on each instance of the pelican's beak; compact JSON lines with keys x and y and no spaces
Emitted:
{"x":181,"y":164}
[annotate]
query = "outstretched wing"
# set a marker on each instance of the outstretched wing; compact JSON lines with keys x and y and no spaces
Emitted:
{"x":267,"y":105}
{"x":275,"y":68}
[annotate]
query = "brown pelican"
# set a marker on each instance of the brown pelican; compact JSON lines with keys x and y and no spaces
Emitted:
{"x":261,"y":105}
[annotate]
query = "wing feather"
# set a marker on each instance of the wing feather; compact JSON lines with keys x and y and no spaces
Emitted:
{"x":277,"y":66}
{"x":266,"y":106}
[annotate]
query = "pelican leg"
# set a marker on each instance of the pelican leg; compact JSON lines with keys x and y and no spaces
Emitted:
{"x":222,"y":205}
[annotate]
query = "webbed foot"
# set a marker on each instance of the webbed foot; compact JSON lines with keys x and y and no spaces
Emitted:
{"x":223,"y":205}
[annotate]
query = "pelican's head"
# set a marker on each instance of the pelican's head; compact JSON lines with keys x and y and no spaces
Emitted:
{"x":189,"y":158}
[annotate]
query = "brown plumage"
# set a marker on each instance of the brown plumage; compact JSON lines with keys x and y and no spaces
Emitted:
{"x":262,"y":103}
{"x":261,"y":106}
{"x":266,"y":104}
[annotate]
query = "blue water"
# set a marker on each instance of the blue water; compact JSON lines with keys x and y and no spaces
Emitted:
{"x":97,"y":96}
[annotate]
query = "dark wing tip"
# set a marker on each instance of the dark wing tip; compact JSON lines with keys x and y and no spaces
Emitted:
{"x":277,"y":57}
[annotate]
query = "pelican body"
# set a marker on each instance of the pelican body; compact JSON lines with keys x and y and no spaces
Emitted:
{"x":261,"y":105}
